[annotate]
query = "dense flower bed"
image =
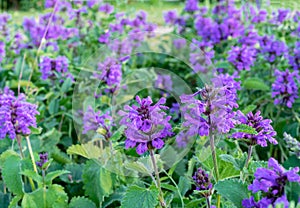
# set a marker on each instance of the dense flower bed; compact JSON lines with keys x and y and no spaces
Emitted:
{"x":99,"y":108}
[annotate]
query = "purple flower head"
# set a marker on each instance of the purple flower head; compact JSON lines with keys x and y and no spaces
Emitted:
{"x":16,"y":115}
{"x":242,"y":57}
{"x":97,"y":122}
{"x":175,"y":111}
{"x":17,"y":44}
{"x":202,"y":182}
{"x":285,"y":89}
{"x":146,"y":124}
{"x":139,"y":20}
{"x":43,"y":159}
{"x":106,"y":8}
{"x":170,"y":17}
{"x":213,"y":112}
{"x":261,"y":16}
{"x":282,"y":15}
{"x":263,"y":128}
{"x":104,"y":38}
{"x":294,"y":59}
{"x":55,"y":68}
{"x":272,"y":48}
{"x":191,"y":5}
{"x":91,"y":3}
{"x":110,"y":73}
{"x":164,"y":81}
{"x":4,"y":29}
{"x":250,"y":37}
{"x":200,"y":60}
{"x":2,"y":51}
{"x":271,"y":183}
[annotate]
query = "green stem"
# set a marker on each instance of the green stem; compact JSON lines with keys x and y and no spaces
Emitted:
{"x":161,"y":196}
{"x":208,"y":202}
{"x":22,"y":156}
{"x":250,"y":148}
{"x":31,"y":154}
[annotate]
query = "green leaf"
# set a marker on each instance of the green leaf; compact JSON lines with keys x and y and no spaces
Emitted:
{"x":10,"y":172}
{"x":238,"y":163}
{"x":138,"y":197}
{"x":88,"y":150}
{"x":249,"y":109}
{"x":66,"y":85}
{"x":50,"y":139}
{"x":255,"y":83}
{"x":75,"y":172}
{"x":184,"y":185}
{"x":244,"y":128}
{"x":80,"y":202}
{"x":5,"y":155}
{"x":52,"y":175}
{"x":14,"y":202}
{"x":98,"y":182}
{"x":53,"y":196}
{"x":117,"y":135}
{"x":53,"y":106}
{"x":233,"y":190}
{"x":35,"y":130}
{"x":33,"y":175}
{"x":4,"y":199}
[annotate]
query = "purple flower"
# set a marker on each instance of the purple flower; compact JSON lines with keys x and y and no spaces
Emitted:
{"x":43,"y":159}
{"x":106,"y":8}
{"x":250,"y":38}
{"x":17,"y":43}
{"x":200,"y":56}
{"x":261,"y":16}
{"x":272,"y":48}
{"x":175,"y":111}
{"x":4,"y":29}
{"x":242,"y":57}
{"x":170,"y":17}
{"x":110,"y":73}
{"x":263,"y":128}
{"x":164,"y":81}
{"x":2,"y":51}
{"x":91,"y":3}
{"x":294,"y":59}
{"x":16,"y":115}
{"x":104,"y":38}
{"x":285,"y":89}
{"x":97,"y":121}
{"x":55,"y":68}
{"x":271,"y":183}
{"x":146,"y":124}
{"x":191,"y":5}
{"x":202,"y":182}
{"x":213,"y":112}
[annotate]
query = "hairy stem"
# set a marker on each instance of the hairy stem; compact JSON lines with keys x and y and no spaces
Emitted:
{"x":161,"y":197}
{"x":250,"y":148}
{"x":31,"y":154}
{"x":207,"y":202}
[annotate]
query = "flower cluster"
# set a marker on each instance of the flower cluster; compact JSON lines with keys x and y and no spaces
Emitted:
{"x":52,"y":68}
{"x":202,"y":182}
{"x":2,"y":51}
{"x":264,"y":130}
{"x":271,"y":48}
{"x":147,"y":124}
{"x":213,"y":112}
{"x":191,"y":5}
{"x":97,"y":122}
{"x":4,"y":30}
{"x":43,"y":159}
{"x":285,"y":89}
{"x":294,"y":59}
{"x":16,"y":115}
{"x":271,"y":183}
{"x":293,"y":144}
{"x":242,"y":57}
{"x":110,"y":74}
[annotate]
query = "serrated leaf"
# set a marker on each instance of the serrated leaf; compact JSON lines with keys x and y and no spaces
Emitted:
{"x":244,"y":128}
{"x":75,"y":172}
{"x":10,"y":173}
{"x":137,"y":197}
{"x":88,"y":150}
{"x":137,"y":166}
{"x":54,"y":174}
{"x":117,"y":135}
{"x":184,"y":185}
{"x":254,"y":83}
{"x":14,"y":202}
{"x":5,"y":155}
{"x":80,"y":202}
{"x":233,"y":190}
{"x":238,"y":163}
{"x":50,"y":139}
{"x":98,"y":182}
